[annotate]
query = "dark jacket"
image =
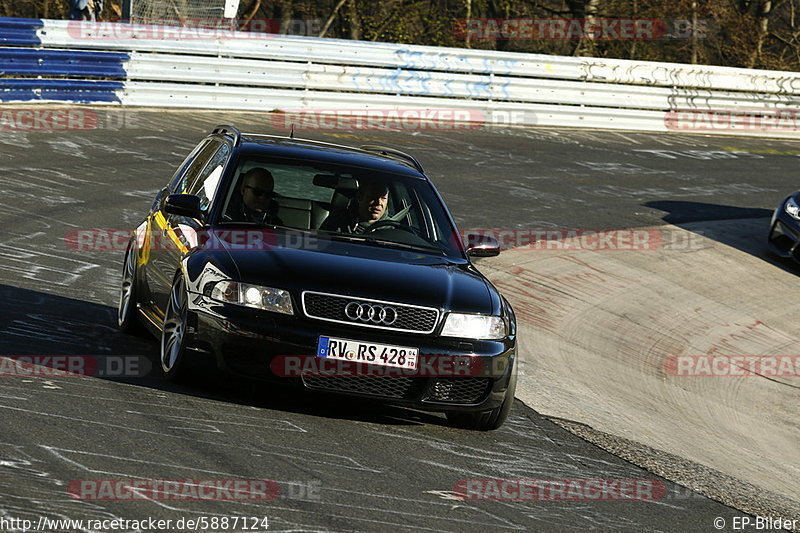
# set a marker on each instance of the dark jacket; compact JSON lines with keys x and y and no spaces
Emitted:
{"x":238,"y":212}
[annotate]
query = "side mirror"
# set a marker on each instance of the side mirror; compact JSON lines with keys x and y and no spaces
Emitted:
{"x":482,"y":246}
{"x":184,"y":205}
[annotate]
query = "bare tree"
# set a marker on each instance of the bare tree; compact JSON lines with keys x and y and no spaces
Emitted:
{"x":354,"y":20}
{"x":251,"y":12}
{"x":331,"y":18}
{"x":466,"y":26}
{"x":764,"y":9}
{"x":287,"y":11}
{"x":586,"y":10}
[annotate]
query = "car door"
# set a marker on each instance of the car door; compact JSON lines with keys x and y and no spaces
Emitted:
{"x":173,"y":237}
{"x":183,"y":231}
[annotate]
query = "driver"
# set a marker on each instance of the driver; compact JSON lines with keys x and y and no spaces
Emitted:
{"x":372,"y":200}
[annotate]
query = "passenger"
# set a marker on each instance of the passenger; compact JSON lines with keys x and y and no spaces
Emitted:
{"x":257,"y":203}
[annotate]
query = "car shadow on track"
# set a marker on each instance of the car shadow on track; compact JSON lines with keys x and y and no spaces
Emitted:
{"x":743,"y":228}
{"x":680,"y":212}
{"x":37,"y":324}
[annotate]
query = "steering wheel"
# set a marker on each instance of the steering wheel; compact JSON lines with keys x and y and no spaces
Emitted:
{"x":390,"y":224}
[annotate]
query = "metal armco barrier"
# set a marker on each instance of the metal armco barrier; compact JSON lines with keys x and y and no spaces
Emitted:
{"x":20,"y":32}
{"x":85,"y":62}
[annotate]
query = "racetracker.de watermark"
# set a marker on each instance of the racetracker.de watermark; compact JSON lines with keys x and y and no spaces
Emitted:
{"x":60,"y":366}
{"x":357,"y":364}
{"x":551,"y":239}
{"x":184,"y":237}
{"x":174,"y":489}
{"x":733,"y":366}
{"x":48,"y":119}
{"x":412,"y":119}
{"x":188,"y":29}
{"x":58,"y":119}
{"x":560,"y":489}
{"x":784,"y":119}
{"x":566,"y":29}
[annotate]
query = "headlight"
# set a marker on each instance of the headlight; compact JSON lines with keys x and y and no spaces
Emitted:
{"x":267,"y":298}
{"x":474,"y":326}
{"x":792,"y":208}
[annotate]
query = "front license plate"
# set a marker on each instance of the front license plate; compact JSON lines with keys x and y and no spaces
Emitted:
{"x":368,"y":352}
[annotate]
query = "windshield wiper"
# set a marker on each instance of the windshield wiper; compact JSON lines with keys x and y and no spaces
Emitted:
{"x":250,"y":223}
{"x":344,"y":237}
{"x":380,"y":242}
{"x":405,"y":246}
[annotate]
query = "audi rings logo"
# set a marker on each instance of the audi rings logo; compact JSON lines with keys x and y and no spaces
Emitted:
{"x":374,"y":313}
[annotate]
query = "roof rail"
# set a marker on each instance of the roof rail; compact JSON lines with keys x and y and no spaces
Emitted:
{"x":229,"y":130}
{"x":300,"y":139}
{"x":396,"y":154}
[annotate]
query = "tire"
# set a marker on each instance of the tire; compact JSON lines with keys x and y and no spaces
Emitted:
{"x":487,"y":420}
{"x":128,"y":319}
{"x":173,"y":333}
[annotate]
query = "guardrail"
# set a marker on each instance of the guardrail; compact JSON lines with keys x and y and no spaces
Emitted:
{"x":163,"y":66}
{"x":19,"y":31}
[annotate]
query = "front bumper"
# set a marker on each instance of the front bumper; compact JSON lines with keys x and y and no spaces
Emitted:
{"x":245,"y":342}
{"x":784,"y":235}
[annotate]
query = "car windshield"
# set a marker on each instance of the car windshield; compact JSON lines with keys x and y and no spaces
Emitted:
{"x":340,"y":202}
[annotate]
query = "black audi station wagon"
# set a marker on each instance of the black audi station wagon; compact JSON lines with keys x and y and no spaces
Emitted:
{"x":308,"y":262}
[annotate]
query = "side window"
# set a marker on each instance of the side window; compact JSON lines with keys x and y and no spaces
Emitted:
{"x":178,"y":176}
{"x":205,"y":185}
{"x":180,"y":184}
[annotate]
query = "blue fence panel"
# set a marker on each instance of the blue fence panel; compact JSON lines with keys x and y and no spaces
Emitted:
{"x":20,"y":32}
{"x":78,"y":91}
{"x":38,"y":62}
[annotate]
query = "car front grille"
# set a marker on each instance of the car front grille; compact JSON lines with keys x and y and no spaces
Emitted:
{"x":459,"y":390}
{"x":385,"y":387}
{"x":331,"y":307}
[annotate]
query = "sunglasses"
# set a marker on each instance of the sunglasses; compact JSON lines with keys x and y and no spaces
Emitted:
{"x":258,"y":191}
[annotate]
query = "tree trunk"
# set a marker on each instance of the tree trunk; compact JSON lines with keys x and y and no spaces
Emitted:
{"x":762,"y":28}
{"x":354,"y":19}
{"x":287,"y":10}
{"x":331,"y":18}
{"x":634,"y":14}
{"x":694,"y":32}
{"x":586,"y":46}
{"x":245,"y":23}
{"x":466,"y":25}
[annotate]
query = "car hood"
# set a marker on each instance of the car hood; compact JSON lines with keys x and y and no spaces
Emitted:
{"x":365,"y":271}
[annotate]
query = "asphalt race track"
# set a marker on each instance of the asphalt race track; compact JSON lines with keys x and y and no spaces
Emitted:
{"x":352,"y":466}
